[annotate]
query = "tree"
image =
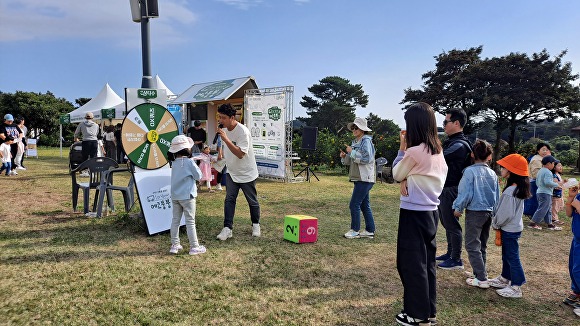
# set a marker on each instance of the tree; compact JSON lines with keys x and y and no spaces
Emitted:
{"x":385,"y":127}
{"x":334,"y":103}
{"x":82,"y":101}
{"x":41,"y":111}
{"x":449,"y":86}
{"x":507,"y":92}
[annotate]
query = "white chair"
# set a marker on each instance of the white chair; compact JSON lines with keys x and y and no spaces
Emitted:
{"x":380,"y":163}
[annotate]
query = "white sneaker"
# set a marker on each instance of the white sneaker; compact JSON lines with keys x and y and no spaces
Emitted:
{"x":13,"y":172}
{"x":175,"y":248}
{"x":225,"y":234}
{"x":219,"y":187}
{"x":366,"y":234}
{"x":499,"y":282}
{"x":256,"y":232}
{"x":197,"y":250}
{"x":20,"y":168}
{"x":511,"y":291}
{"x":352,"y":234}
{"x":477,"y":283}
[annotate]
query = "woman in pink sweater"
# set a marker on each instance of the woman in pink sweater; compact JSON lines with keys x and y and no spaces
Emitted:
{"x":421,"y":169}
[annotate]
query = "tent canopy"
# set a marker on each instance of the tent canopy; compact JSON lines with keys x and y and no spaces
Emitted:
{"x":216,"y":91}
{"x":158,"y":84}
{"x":106,"y":99}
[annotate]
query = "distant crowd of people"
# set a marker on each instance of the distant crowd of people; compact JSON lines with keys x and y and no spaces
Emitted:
{"x":13,"y":145}
{"x":97,"y":142}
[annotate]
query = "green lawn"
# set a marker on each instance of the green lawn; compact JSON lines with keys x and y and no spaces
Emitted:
{"x":58,"y":267}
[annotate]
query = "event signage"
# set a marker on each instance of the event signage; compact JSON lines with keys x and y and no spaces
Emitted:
{"x":146,"y":135}
{"x":147,"y":93}
{"x":108,"y":113}
{"x":265,"y":119}
{"x":64,"y":119}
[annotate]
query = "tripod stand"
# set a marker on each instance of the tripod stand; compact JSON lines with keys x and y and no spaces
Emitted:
{"x":308,"y":171}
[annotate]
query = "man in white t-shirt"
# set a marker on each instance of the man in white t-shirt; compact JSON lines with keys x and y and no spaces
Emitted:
{"x":242,"y":170}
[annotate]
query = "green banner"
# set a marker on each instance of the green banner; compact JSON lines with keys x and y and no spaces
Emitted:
{"x":147,"y":93}
{"x":64,"y":119}
{"x":108,"y":113}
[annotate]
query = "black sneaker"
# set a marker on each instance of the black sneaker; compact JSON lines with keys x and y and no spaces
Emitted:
{"x":573,"y":300}
{"x":404,"y":319}
{"x":443,"y":257}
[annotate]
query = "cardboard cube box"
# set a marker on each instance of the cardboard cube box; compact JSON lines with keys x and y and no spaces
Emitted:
{"x":300,"y":228}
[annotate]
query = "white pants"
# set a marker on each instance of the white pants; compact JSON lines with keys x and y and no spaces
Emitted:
{"x":185,"y":207}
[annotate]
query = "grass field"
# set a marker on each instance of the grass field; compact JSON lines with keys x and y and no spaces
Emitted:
{"x":62,"y":268}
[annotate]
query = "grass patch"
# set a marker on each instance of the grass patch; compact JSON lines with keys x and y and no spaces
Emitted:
{"x":59,"y":267}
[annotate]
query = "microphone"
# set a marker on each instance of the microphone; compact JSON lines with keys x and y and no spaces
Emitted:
{"x":220,"y":126}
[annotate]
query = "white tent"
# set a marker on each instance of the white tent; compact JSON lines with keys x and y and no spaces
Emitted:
{"x":106,"y":99}
{"x":157,"y":83}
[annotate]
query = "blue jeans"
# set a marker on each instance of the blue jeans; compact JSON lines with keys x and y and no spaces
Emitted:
{"x":544,"y":211}
{"x":360,"y":201}
{"x":6,"y":166}
{"x":574,"y":264}
{"x":510,"y":255}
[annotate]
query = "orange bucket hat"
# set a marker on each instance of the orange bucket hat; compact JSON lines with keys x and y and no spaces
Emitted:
{"x":516,"y":164}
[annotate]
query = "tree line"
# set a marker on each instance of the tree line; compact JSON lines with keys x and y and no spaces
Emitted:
{"x":510,"y":101}
{"x":504,"y":97}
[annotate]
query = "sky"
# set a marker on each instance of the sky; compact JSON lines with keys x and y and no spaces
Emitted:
{"x":73,"y":48}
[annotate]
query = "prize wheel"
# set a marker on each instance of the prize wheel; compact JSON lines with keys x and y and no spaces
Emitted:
{"x":146,"y":135}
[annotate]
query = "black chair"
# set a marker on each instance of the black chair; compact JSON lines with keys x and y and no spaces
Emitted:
{"x":95,"y":166}
{"x":108,"y":185}
{"x":380,"y":162}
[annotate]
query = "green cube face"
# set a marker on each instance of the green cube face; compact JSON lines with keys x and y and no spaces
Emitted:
{"x":300,"y":228}
{"x":291,"y":226}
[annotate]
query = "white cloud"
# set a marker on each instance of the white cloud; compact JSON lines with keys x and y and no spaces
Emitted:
{"x":242,"y":4}
{"x":24,"y":20}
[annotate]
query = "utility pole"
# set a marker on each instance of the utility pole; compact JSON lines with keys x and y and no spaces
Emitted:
{"x":142,"y":10}
{"x":145,"y":48}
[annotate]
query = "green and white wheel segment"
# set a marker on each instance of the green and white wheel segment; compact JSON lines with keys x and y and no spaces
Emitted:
{"x":146,"y":135}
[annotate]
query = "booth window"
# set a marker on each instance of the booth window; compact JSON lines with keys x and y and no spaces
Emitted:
{"x":197,"y":112}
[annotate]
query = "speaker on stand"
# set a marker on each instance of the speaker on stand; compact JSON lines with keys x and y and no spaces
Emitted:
{"x":309,"y":137}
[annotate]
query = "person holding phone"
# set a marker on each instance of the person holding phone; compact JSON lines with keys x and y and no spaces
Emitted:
{"x":360,"y":157}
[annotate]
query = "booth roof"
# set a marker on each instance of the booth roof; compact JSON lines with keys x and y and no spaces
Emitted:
{"x":106,"y":99}
{"x":216,"y":91}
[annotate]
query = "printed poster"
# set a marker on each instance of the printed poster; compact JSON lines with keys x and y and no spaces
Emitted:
{"x":266,"y":121}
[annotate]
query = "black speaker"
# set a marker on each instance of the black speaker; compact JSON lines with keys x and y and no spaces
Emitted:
{"x":309,"y":136}
{"x":152,"y":8}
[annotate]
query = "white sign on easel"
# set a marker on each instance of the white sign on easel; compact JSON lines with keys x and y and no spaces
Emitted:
{"x":31,"y":149}
{"x":154,"y":190}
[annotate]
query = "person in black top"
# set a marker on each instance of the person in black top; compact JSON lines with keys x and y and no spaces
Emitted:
{"x":457,"y":153}
{"x":9,"y":128}
{"x":198,"y":134}
{"x":120,"y":153}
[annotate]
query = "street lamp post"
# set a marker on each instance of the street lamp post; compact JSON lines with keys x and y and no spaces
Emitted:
{"x":145,"y":48}
{"x":142,"y":10}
